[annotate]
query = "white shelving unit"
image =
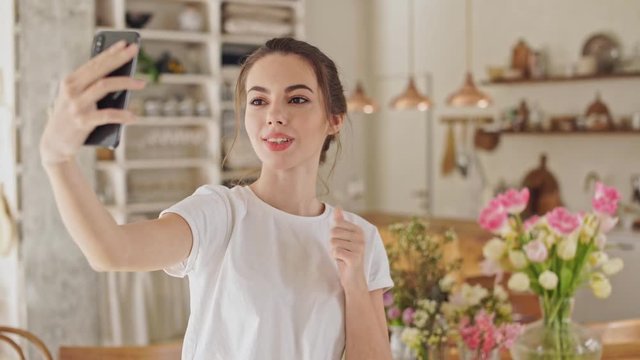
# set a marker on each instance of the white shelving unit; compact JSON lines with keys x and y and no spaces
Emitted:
{"x":13,"y":309}
{"x":11,"y":170}
{"x":204,"y":79}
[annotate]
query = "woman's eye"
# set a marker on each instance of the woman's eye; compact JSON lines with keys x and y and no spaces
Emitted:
{"x":298,"y":100}
{"x":257,"y":102}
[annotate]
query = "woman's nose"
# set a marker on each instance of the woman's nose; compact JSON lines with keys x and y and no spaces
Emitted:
{"x":276,"y":115}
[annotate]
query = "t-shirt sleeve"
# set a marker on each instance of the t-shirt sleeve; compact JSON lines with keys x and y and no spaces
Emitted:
{"x":207,"y":212}
{"x":379,"y":276}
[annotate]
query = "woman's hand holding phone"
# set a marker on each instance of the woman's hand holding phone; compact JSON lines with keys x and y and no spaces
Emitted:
{"x":75,"y":114}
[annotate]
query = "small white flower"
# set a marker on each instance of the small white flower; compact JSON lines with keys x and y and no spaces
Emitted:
{"x":446,"y":283}
{"x":420,"y":318}
{"x":412,"y":337}
{"x":548,"y":280}
{"x":472,"y":295}
{"x":500,"y":293}
{"x":519,"y":282}
{"x":567,"y":249}
{"x":504,"y":309}
{"x":613,"y":266}
{"x":494,"y":249}
{"x":518,"y":259}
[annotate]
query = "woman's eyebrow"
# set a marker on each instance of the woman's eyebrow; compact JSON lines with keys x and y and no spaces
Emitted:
{"x":288,"y":89}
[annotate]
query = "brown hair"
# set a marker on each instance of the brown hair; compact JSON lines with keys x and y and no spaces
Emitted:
{"x":326,"y":74}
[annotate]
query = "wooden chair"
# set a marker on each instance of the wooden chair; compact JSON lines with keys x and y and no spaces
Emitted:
{"x":6,"y":332}
{"x":169,"y":351}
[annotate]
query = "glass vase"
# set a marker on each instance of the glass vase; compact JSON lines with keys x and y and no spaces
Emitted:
{"x":465,"y":353}
{"x":399,"y":350}
{"x":556,"y":336}
{"x":433,"y":352}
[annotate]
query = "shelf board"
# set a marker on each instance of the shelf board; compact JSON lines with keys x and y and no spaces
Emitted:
{"x":256,"y":40}
{"x":281,"y":3}
{"x":572,"y":133}
{"x":174,"y":35}
{"x":558,"y":79}
{"x":172,"y":121}
{"x":154,"y":164}
{"x":180,"y":1}
{"x":185,"y":79}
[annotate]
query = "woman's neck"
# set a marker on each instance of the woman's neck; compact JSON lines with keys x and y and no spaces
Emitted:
{"x":292,"y":191}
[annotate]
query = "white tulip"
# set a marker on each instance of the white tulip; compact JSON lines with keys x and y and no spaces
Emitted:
{"x":613,"y":266}
{"x":567,"y":249}
{"x":598,"y":258}
{"x":519,"y":282}
{"x":494,"y":249}
{"x":548,"y":280}
{"x":518,"y":259}
{"x":600,"y":285}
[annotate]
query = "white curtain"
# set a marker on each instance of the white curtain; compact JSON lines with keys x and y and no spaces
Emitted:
{"x":142,"y":308}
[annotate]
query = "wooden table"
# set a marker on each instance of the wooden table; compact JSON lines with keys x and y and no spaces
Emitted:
{"x":613,"y":351}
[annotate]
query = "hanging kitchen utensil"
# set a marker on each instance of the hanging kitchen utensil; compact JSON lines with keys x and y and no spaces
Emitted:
{"x":7,"y":225}
{"x":462,"y":155}
{"x":544,"y":190}
{"x":449,"y":158}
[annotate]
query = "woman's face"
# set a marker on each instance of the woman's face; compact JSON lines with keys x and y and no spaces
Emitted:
{"x":285,"y":117}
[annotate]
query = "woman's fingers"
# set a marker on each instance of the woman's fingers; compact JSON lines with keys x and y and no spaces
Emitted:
{"x":98,"y":67}
{"x":347,"y":245}
{"x":109,"y":116}
{"x":104,"y":86}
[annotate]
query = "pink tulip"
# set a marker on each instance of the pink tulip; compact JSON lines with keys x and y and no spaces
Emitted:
{"x":387,"y":299}
{"x":393,"y":313}
{"x":531,"y":222}
{"x":494,"y":217}
{"x":605,"y":199}
{"x":536,"y":251}
{"x":514,"y":201}
{"x":407,"y":316}
{"x":562,"y":221}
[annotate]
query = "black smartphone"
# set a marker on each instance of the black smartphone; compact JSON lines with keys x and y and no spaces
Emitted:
{"x":109,"y":135}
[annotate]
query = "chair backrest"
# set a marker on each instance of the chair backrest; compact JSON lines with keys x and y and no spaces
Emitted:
{"x":6,"y":334}
{"x":621,"y":331}
{"x":170,"y":351}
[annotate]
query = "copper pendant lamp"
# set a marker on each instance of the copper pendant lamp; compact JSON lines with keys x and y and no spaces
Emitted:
{"x":411,"y":98}
{"x":360,"y":102}
{"x":469,"y":95}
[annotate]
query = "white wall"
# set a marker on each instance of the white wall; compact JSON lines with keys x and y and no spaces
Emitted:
{"x":558,"y":27}
{"x":340,"y":30}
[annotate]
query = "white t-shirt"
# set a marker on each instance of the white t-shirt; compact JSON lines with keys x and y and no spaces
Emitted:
{"x":263,"y":283}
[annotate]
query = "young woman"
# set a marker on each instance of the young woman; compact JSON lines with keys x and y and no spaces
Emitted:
{"x":274,"y":273}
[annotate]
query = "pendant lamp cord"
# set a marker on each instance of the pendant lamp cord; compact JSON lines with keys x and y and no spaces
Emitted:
{"x":468,"y":35}
{"x":411,"y":42}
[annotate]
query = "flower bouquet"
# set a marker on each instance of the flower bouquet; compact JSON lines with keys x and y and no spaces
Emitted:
{"x":553,"y":256}
{"x":482,"y":321}
{"x":422,"y":283}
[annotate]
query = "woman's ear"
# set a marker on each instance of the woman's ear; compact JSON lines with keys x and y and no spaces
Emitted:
{"x":336,"y":122}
